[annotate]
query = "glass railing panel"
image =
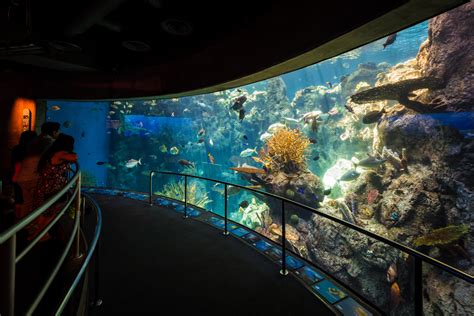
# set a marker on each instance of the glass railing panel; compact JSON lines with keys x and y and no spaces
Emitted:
{"x":171,"y":186}
{"x":378,"y":272}
{"x":256,"y":211}
{"x":206,"y":194}
{"x":446,"y":294}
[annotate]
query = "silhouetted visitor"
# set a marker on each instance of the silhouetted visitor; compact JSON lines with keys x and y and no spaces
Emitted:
{"x":17,"y":156}
{"x":27,"y":176}
{"x":52,"y":170}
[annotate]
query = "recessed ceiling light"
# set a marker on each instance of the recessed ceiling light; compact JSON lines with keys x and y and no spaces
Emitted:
{"x":136,"y":46}
{"x":177,"y":27}
{"x":63,"y":46}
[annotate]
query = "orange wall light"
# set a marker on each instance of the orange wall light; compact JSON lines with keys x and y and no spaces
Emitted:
{"x":22,"y":117}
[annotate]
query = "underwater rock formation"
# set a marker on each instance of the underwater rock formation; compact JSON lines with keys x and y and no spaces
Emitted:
{"x":400,"y":92}
{"x":366,"y":73}
{"x":447,"y":54}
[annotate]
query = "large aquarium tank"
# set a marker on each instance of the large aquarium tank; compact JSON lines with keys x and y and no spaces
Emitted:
{"x":381,"y":136}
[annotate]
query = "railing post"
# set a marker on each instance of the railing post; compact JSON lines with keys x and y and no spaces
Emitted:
{"x":151,"y":187}
{"x":97,"y":301}
{"x":418,"y":286}
{"x":226,"y":232}
{"x":78,"y":213}
{"x":185,"y":196}
{"x":7,"y":276}
{"x":283,"y":270}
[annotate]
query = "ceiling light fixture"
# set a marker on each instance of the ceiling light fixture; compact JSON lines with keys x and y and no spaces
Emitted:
{"x":177,"y":27}
{"x":65,"y":47}
{"x":136,"y":46}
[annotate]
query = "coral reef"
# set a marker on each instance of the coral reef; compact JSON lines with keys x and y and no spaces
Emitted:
{"x":285,"y":151}
{"x":195,"y":196}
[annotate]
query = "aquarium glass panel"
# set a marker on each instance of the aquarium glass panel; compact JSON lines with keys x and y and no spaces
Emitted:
{"x":381,"y":136}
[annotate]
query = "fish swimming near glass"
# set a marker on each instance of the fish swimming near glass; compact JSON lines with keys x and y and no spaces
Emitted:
{"x":349,"y":175}
{"x":248,"y":152}
{"x":390,"y":40}
{"x":132,"y":163}
{"x":371,"y":162}
{"x":248,"y":170}
{"x":373,"y":116}
{"x":186,"y":163}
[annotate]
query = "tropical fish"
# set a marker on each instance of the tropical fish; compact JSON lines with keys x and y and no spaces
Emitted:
{"x":316,"y":157}
{"x":248,"y":152}
{"x":174,"y":150}
{"x":349,"y":108}
{"x":265,"y":136}
{"x":238,"y":103}
{"x":290,"y":119}
{"x":313,"y":140}
{"x":245,"y":137}
{"x":211,"y":142}
{"x":186,"y":163}
{"x":114,"y":106}
{"x":83,"y":134}
{"x":186,"y":110}
{"x":390,"y":40}
{"x":131,"y":163}
{"x":100,"y":163}
{"x":395,"y":296}
{"x":333,"y":111}
{"x":250,"y":170}
{"x":329,"y":84}
{"x":274,"y":127}
{"x":372,"y":116}
{"x":201,"y":132}
{"x":327,"y":191}
{"x":392,"y":273}
{"x":244,"y":204}
{"x":67,"y":124}
{"x":257,"y":159}
{"x":163,"y":148}
{"x":172,"y":114}
{"x":371,"y":162}
{"x":55,"y":108}
{"x":111,"y":112}
{"x":349,"y":175}
{"x":241,"y":114}
{"x":310,"y":116}
{"x":211,"y":158}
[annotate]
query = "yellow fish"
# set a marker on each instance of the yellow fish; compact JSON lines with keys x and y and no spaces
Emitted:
{"x":211,"y":158}
{"x":257,"y":159}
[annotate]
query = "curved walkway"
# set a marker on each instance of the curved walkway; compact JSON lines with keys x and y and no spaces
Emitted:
{"x":154,"y":262}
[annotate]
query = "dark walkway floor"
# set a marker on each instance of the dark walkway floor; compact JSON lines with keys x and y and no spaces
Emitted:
{"x":155,"y":262}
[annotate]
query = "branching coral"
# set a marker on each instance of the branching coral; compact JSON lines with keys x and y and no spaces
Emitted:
{"x":285,"y":151}
{"x":442,"y":236}
{"x":195,"y":196}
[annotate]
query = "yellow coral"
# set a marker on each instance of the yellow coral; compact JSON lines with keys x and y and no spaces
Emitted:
{"x":285,"y":150}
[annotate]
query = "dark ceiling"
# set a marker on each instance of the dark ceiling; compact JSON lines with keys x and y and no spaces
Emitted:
{"x":136,"y":48}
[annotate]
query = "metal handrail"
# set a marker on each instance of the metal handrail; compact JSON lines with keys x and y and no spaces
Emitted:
{"x":86,"y":260}
{"x":415,"y":253}
{"x":8,"y":246}
{"x":40,"y":210}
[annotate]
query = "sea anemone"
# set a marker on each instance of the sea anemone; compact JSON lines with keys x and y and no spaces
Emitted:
{"x":285,"y":151}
